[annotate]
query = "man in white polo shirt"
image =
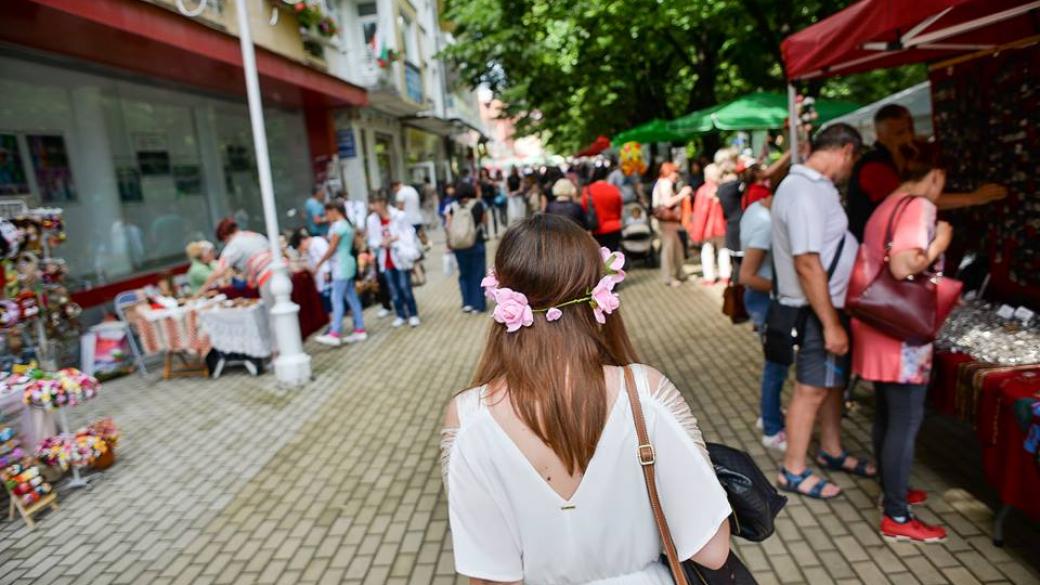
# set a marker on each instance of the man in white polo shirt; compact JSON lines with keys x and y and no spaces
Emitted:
{"x":813,"y":254}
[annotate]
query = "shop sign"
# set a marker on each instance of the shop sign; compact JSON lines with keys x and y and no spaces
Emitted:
{"x":345,"y":143}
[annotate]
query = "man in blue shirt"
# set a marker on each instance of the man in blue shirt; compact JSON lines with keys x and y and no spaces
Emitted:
{"x":314,"y":208}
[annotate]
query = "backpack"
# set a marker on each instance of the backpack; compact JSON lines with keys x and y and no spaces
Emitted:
{"x":463,"y":231}
{"x":591,"y":219}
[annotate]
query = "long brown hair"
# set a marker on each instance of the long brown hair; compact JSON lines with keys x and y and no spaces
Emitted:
{"x":554,"y":371}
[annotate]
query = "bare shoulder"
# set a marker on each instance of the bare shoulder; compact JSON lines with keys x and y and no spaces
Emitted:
{"x":462,"y":404}
{"x":451,"y":415}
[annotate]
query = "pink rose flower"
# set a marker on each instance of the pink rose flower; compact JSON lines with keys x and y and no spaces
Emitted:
{"x":553,"y":314}
{"x":512,"y":310}
{"x":615,"y":261}
{"x":604,"y":300}
{"x":490,"y":284}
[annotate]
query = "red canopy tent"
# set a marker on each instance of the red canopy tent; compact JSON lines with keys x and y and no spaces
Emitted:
{"x":598,"y":145}
{"x":875,"y":34}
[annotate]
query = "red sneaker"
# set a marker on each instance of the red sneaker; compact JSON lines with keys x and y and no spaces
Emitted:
{"x":913,"y":530}
{"x":916,"y":496}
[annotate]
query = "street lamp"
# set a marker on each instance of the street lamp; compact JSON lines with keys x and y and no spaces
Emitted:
{"x":292,"y":367}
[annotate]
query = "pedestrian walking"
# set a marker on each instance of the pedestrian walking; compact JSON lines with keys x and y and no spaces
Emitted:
{"x":564,"y":204}
{"x":466,"y":228}
{"x":314,"y":212}
{"x":392,"y":238}
{"x":666,"y":205}
{"x":607,"y":202}
{"x":539,"y":457}
{"x":344,"y":272}
{"x":407,"y":200}
{"x":813,"y":255}
{"x":756,"y":275}
{"x":708,"y":228}
{"x":488,"y":194}
{"x":902,"y":237}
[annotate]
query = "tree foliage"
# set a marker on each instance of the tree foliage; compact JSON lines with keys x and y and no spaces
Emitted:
{"x":572,"y":70}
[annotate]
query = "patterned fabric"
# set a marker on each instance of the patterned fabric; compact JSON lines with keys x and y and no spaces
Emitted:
{"x":163,"y":330}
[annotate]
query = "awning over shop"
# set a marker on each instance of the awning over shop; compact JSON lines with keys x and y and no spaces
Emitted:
{"x":598,"y":145}
{"x":875,"y":34}
{"x":149,"y":40}
{"x":698,"y":122}
{"x":653,"y":131}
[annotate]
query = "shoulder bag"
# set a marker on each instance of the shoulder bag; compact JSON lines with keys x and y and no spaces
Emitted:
{"x":784,"y":325}
{"x":912,"y":309}
{"x":685,"y":572}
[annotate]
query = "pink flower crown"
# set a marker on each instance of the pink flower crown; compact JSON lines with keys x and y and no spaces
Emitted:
{"x":513,"y":310}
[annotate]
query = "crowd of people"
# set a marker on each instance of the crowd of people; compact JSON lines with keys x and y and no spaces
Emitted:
{"x":804,"y":255}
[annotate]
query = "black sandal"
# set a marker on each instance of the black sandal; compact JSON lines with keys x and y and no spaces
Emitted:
{"x":837,"y":463}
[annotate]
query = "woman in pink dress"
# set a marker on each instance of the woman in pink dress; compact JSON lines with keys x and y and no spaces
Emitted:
{"x":899,"y":370}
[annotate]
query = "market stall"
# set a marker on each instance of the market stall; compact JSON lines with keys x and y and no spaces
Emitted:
{"x":755,"y":111}
{"x":987,"y":363}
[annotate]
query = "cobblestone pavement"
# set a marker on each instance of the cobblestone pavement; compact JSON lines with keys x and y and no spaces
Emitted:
{"x":237,"y":481}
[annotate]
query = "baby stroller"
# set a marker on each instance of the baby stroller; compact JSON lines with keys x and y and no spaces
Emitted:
{"x":637,"y":237}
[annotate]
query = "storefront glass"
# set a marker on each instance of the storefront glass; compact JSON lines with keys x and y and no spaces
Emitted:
{"x":140,"y":170}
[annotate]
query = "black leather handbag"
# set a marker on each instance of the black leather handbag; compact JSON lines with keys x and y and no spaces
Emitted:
{"x":784,"y":325}
{"x":753,"y":498}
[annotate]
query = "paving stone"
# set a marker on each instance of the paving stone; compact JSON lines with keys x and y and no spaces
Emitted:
{"x":373,"y":509}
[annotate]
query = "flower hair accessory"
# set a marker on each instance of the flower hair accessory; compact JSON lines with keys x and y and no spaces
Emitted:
{"x":514,"y":311}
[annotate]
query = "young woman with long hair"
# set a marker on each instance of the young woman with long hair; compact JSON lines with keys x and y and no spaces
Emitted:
{"x":539,"y":457}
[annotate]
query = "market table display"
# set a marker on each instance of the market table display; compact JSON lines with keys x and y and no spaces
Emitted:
{"x":985,"y":364}
{"x":238,"y":332}
{"x":174,"y":332}
{"x":312,"y":315}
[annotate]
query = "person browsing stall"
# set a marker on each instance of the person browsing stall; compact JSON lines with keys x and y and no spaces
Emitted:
{"x":397,"y":248}
{"x":813,"y":255}
{"x":900,"y":370}
{"x":877,"y":174}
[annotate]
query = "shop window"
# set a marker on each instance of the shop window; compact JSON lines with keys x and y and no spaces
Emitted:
{"x":139,"y":170}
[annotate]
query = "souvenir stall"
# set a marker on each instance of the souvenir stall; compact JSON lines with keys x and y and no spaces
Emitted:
{"x":987,"y":360}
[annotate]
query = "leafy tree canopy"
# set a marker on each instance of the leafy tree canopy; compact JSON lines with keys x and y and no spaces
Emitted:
{"x":570,"y":70}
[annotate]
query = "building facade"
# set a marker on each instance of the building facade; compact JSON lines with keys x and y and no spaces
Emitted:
{"x":131,"y":116}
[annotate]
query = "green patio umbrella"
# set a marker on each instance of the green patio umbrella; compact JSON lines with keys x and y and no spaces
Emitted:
{"x":767,"y":111}
{"x":698,"y":122}
{"x":653,"y":131}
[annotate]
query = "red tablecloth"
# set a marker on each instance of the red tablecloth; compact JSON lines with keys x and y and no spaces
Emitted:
{"x":1008,"y":467}
{"x":986,"y":399}
{"x":304,"y":293}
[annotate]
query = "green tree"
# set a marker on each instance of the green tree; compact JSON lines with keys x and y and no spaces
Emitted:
{"x":572,"y":70}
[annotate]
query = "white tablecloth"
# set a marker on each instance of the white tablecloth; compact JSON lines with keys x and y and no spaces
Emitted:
{"x":32,"y":424}
{"x":238,"y":329}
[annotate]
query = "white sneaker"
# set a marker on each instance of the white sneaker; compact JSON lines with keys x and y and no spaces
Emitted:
{"x":329,"y":339}
{"x":356,"y":337}
{"x":397,"y":322}
{"x":383,"y":313}
{"x":414,"y":321}
{"x":467,"y":309}
{"x":777,"y":441}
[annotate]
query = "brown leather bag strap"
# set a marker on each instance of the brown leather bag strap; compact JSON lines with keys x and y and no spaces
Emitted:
{"x":647,"y":457}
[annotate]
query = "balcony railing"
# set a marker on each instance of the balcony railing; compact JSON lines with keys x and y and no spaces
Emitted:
{"x":413,"y":83}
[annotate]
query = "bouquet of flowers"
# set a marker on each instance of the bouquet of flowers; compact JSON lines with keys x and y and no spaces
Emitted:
{"x":105,"y":429}
{"x":63,"y":451}
{"x":67,"y":387}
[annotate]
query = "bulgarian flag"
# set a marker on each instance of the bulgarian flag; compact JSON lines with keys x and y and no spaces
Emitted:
{"x":378,"y":47}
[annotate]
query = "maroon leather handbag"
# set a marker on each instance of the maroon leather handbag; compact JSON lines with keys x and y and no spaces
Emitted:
{"x":912,"y":309}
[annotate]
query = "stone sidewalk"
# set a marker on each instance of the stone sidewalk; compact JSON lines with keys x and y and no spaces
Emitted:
{"x":237,"y":481}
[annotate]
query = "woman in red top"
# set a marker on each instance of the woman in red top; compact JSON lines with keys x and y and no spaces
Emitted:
{"x":707,"y":225}
{"x":898,"y":369}
{"x":606,"y":200}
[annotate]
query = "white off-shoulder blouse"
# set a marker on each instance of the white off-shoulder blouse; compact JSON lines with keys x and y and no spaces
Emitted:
{"x":508,"y":524}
